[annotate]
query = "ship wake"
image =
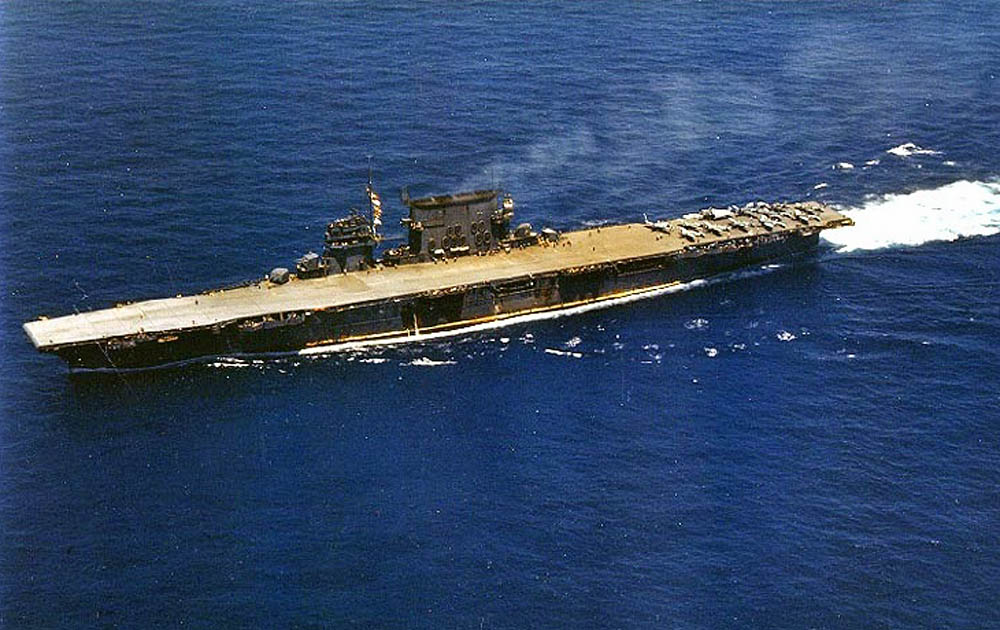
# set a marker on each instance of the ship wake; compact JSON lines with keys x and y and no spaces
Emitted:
{"x":957,"y":210}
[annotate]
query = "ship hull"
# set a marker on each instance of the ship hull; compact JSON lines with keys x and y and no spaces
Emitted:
{"x":448,"y":310}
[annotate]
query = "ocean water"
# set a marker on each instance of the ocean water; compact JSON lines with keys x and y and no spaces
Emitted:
{"x":811,"y":444}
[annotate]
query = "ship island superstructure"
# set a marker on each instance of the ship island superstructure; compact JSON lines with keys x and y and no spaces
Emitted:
{"x":461,"y":265}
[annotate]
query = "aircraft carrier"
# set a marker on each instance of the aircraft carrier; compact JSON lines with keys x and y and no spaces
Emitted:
{"x":461,"y":265}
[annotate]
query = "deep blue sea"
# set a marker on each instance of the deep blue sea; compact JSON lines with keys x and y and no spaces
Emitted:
{"x":811,"y":444}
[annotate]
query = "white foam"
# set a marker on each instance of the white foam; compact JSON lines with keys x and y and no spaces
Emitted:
{"x":696,"y":324}
{"x":953,"y":211}
{"x":908,"y":148}
{"x":563,"y":353}
{"x":784,"y":335}
{"x":226,"y":364}
{"x":427,"y":362}
{"x":872,"y":163}
{"x":820,"y":186}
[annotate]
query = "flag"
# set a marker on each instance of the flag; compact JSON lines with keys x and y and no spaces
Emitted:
{"x":376,"y":203}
